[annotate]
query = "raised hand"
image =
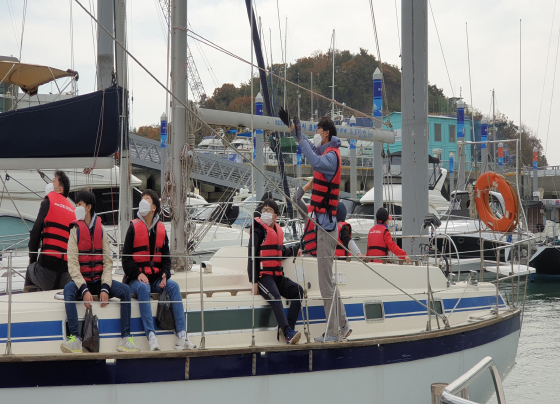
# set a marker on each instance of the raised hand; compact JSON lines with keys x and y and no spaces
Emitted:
{"x":284,"y":116}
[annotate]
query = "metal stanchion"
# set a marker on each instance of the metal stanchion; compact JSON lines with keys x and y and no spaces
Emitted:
{"x":9,"y":287}
{"x":202,"y":337}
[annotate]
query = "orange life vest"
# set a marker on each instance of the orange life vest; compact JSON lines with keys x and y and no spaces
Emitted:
{"x":324,"y":194}
{"x":91,"y":251}
{"x":57,"y":226}
{"x":309,"y":242}
{"x":141,"y":247}
{"x":340,"y":251}
{"x":376,"y":246}
{"x":271,"y":250}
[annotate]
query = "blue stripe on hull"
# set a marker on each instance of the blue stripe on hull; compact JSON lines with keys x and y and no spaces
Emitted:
{"x":343,"y":356}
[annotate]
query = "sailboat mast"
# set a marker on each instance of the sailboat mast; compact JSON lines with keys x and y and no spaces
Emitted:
{"x":105,"y":56}
{"x":332,"y":104}
{"x":285,"y":59}
{"x":125,"y":190}
{"x":178,"y":132}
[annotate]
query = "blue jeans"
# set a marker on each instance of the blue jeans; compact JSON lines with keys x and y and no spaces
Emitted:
{"x":142,"y":291}
{"x":118,"y":290}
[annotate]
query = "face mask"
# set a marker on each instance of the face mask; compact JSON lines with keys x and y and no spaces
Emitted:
{"x":266,"y":217}
{"x":80,"y":213}
{"x":144,"y":207}
{"x":317,"y":139}
{"x":49,"y":188}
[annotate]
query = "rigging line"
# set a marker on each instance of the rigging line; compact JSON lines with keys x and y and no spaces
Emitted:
{"x":8,"y":2}
{"x":319,"y":96}
{"x":546,"y":66}
{"x":206,"y":62}
{"x":551,"y":94}
{"x":93,"y":32}
{"x":441,"y":47}
{"x":12,"y":178}
{"x":384,"y":93}
{"x":21,"y":42}
{"x":398,"y":29}
{"x":280,"y":28}
{"x":261,"y":171}
{"x":12,"y":199}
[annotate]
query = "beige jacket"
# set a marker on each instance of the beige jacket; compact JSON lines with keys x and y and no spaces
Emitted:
{"x":74,"y":264}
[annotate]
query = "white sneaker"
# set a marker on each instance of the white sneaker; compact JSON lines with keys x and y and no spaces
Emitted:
{"x":154,"y":346}
{"x":127,"y":345}
{"x":184,"y":343}
{"x":71,"y":345}
{"x":346,"y":331}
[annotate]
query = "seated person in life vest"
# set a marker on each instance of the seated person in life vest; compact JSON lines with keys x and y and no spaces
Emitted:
{"x":90,"y":265}
{"x":380,"y":240}
{"x":309,"y":239}
{"x":147,"y":268}
{"x":49,"y":270}
{"x":267,"y":238}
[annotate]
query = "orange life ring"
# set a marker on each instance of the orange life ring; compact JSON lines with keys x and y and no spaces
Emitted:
{"x":486,"y":182}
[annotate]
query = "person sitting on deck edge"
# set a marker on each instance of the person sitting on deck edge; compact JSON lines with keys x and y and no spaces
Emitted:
{"x":266,"y":244}
{"x":52,"y":227}
{"x":380,"y":241}
{"x":90,"y":265}
{"x":147,"y":267}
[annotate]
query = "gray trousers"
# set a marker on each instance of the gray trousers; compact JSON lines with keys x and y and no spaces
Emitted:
{"x":44,"y":278}
{"x":326,"y":245}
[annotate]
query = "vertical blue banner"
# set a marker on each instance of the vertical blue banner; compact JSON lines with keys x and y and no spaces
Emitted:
{"x":460,"y":123}
{"x":451,"y":162}
{"x":163,"y":134}
{"x":298,"y":153}
{"x":484,"y":134}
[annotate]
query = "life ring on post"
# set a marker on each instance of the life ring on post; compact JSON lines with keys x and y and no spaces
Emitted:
{"x":484,"y":183}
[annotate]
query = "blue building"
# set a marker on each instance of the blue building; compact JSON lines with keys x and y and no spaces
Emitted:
{"x":442,"y":136}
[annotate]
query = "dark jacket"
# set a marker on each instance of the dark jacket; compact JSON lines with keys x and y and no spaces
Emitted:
{"x":260,"y":234}
{"x":345,"y":236}
{"x":131,"y":270}
{"x":35,"y":237}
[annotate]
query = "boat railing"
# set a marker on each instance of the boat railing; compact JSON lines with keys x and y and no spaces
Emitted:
{"x":457,"y":392}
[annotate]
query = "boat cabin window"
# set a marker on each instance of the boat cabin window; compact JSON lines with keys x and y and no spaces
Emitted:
{"x":373,"y":311}
{"x":437,"y":306}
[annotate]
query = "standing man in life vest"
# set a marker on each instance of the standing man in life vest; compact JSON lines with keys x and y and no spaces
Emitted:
{"x":324,"y":156}
{"x":380,"y":240}
{"x":266,"y":243}
{"x":147,"y":267}
{"x":50,"y":270}
{"x":90,"y":265}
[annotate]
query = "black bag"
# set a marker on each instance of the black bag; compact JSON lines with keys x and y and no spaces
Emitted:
{"x":90,"y":332}
{"x":164,"y":316}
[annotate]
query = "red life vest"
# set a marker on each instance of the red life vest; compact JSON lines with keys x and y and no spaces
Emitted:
{"x":57,"y":226}
{"x":309,"y":242}
{"x":271,"y":250}
{"x":91,"y":251}
{"x":376,"y":246}
{"x":324,"y":194}
{"x":340,"y":251}
{"x":141,"y":247}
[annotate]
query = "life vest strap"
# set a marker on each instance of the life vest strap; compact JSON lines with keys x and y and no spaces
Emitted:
{"x":374,"y":247}
{"x":272,"y":273}
{"x":55,"y":237}
{"x":57,"y":226}
{"x":46,"y":247}
{"x":325,"y":183}
{"x":275,"y":247}
{"x":141,"y":249}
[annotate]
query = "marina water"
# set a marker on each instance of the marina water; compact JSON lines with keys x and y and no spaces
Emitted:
{"x":535,"y":375}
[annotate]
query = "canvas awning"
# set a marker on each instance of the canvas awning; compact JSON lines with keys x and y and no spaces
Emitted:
{"x":30,"y":77}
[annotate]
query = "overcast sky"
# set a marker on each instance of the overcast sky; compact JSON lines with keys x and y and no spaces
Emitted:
{"x":493,"y":38}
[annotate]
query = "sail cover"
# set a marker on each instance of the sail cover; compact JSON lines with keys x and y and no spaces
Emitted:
{"x":83,"y":126}
{"x":30,"y":77}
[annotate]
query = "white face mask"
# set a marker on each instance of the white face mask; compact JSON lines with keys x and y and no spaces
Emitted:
{"x":144,"y":207}
{"x":49,"y":188}
{"x":266,"y":217}
{"x":80,"y":213}
{"x":317,"y":139}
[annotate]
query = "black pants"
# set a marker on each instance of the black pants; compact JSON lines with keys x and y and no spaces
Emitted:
{"x":275,"y":287}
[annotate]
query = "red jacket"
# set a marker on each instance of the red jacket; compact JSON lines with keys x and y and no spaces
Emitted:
{"x":91,"y":251}
{"x":380,"y":242}
{"x":141,"y":248}
{"x":271,"y":250}
{"x":324,"y":194}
